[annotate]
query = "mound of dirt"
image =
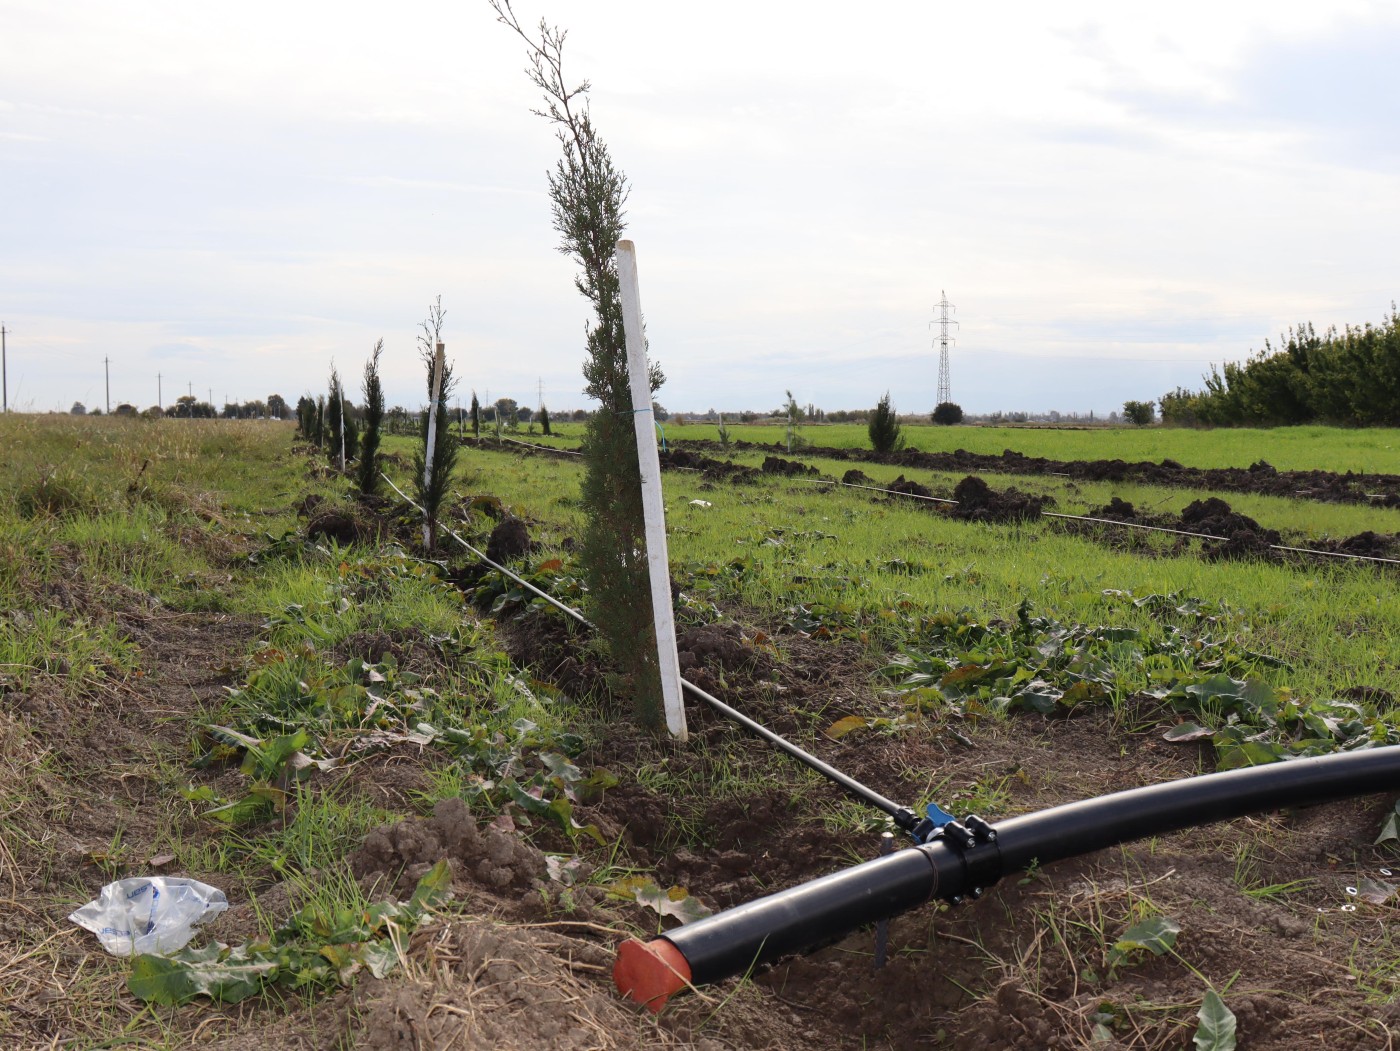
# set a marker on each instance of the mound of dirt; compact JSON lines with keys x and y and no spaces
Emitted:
{"x":510,"y":539}
{"x":681,"y":458}
{"x":905,"y":487}
{"x":397,"y":856}
{"x":714,"y":470}
{"x":978,"y":502}
{"x":787,"y":468}
{"x":1116,"y":509}
{"x":717,"y":657}
{"x":1367,"y":545}
{"x":856,"y":477}
{"x":1241,"y":536}
{"x":337,"y":525}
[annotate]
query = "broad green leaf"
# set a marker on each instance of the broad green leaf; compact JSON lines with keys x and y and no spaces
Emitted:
{"x":262,"y":800}
{"x":599,"y":781}
{"x":1249,"y":753}
{"x":228,"y":975}
{"x":1186,"y":732}
{"x":1083,"y":692}
{"x":345,"y":959}
{"x":161,"y":980}
{"x":433,"y":887}
{"x":849,"y":724}
{"x":1217,"y":1029}
{"x":1156,"y":934}
{"x":673,"y":901}
{"x":529,"y":800}
{"x":379,"y":957}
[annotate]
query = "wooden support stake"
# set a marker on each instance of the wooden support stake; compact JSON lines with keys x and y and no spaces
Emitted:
{"x":653,"y":510}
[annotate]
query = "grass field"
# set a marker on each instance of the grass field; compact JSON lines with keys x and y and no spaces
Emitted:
{"x":1362,"y":450}
{"x":1332,"y":623}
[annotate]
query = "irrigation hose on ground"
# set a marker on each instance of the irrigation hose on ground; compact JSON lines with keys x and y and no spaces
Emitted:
{"x":970,"y":856}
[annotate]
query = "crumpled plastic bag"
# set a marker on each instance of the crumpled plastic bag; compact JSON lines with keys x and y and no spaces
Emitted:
{"x":149,"y":914}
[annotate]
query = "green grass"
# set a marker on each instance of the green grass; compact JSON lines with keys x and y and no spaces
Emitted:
{"x":1299,"y":518}
{"x":1362,"y":449}
{"x":1375,"y":449}
{"x":799,"y":544}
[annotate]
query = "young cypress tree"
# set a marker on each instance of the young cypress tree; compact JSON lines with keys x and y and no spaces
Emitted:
{"x":476,"y":417}
{"x":792,"y":413}
{"x":367,"y":474}
{"x":432,"y":491}
{"x":587,"y":194}
{"x":306,"y":418}
{"x":884,"y":428}
{"x":340,"y":425}
{"x":544,"y":420}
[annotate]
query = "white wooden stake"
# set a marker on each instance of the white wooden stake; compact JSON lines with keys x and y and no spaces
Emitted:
{"x":342,"y":430}
{"x":432,"y":438}
{"x":654,"y":512}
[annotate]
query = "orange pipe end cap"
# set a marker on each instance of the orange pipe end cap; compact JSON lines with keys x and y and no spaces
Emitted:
{"x":650,"y":972}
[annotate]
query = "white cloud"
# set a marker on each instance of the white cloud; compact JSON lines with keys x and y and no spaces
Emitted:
{"x":1093,"y":184}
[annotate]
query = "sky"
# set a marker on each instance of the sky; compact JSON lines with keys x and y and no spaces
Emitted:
{"x":231,"y":199}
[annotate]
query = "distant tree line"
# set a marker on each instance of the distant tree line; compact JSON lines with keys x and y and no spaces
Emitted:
{"x":1350,"y":378}
{"x":187,"y":406}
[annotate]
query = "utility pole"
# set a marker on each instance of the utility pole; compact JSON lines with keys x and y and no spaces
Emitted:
{"x":160,"y":396}
{"x":540,"y":403}
{"x":107,"y":368}
{"x":4,"y":369}
{"x":945,"y":319}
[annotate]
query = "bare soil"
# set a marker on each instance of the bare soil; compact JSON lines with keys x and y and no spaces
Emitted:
{"x":1381,"y":490}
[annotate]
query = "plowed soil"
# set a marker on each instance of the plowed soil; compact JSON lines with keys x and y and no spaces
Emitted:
{"x":1225,"y":533}
{"x":1381,"y":490}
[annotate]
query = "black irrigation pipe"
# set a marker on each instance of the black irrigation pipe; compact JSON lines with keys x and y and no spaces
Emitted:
{"x":964,"y":858}
{"x":905,"y":818}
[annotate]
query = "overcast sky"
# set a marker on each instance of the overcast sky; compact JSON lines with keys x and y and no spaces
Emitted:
{"x":232,"y":196}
